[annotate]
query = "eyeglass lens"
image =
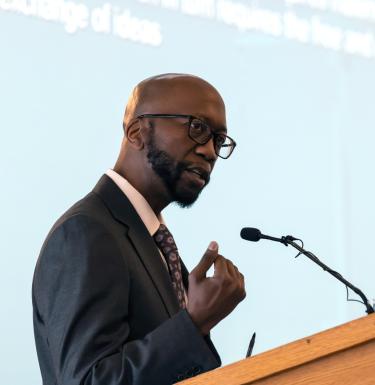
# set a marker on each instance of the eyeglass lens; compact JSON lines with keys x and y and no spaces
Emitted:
{"x":201,"y":133}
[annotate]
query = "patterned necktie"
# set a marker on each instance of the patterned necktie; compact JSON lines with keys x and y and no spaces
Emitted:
{"x":167,"y":246}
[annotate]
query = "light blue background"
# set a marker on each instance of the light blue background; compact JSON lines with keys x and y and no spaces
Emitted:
{"x":303,"y":118}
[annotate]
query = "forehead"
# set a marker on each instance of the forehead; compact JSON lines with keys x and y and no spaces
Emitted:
{"x":183,"y":95}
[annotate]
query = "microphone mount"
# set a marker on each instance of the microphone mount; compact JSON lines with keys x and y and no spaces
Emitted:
{"x":251,"y":234}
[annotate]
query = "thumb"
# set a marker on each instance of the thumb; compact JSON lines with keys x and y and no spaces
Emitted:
{"x":207,"y":260}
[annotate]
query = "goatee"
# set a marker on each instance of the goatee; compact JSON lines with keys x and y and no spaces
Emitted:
{"x":170,"y":173}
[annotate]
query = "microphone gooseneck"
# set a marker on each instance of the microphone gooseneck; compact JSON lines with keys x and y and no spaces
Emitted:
{"x":254,"y":235}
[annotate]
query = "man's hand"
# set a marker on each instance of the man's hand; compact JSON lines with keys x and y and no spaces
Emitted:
{"x":210,"y":299}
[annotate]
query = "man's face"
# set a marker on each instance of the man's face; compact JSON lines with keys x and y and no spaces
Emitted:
{"x":183,"y":165}
{"x":184,"y":191}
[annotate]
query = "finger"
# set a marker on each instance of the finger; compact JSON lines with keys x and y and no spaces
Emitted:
{"x":221,"y":267}
{"x":242,"y":281}
{"x":207,"y":260}
{"x":238,"y":273}
{"x":232,"y":269}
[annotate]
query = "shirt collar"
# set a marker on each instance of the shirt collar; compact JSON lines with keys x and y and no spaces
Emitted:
{"x":144,"y":210}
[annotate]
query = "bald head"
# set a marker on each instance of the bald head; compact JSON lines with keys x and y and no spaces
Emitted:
{"x":158,"y":156}
{"x":169,"y":93}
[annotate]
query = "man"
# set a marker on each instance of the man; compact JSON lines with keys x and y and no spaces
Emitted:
{"x":113,"y":303}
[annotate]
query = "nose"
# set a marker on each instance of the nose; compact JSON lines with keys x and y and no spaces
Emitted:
{"x":207,"y":150}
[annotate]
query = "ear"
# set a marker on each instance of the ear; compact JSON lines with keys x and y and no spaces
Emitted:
{"x":134,"y":135}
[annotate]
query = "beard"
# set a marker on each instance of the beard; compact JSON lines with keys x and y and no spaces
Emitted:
{"x":170,"y":172}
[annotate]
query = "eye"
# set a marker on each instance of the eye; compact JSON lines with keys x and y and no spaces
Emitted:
{"x":199,"y":130}
{"x":198,"y":127}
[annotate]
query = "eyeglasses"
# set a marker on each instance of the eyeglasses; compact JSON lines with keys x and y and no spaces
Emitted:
{"x":200,"y":132}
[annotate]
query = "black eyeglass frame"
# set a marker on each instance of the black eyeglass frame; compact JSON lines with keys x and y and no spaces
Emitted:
{"x":191,"y":118}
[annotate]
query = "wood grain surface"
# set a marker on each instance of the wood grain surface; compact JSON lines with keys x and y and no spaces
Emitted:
{"x":341,"y":355}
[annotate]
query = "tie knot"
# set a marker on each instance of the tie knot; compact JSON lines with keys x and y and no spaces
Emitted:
{"x":164,"y":238}
{"x":162,"y":229}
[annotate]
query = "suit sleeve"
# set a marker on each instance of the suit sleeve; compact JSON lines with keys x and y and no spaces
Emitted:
{"x":81,"y":291}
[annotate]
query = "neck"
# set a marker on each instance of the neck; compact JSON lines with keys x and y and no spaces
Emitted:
{"x":148,"y":184}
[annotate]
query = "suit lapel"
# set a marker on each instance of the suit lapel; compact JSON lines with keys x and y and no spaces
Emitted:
{"x":123,"y":211}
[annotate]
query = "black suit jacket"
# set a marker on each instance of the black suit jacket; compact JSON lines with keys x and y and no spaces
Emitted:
{"x":105,"y":312}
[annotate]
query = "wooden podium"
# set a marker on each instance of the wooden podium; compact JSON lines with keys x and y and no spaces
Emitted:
{"x":344,"y":355}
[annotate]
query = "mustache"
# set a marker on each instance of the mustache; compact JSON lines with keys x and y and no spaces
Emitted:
{"x":172,"y":170}
{"x":204,"y":173}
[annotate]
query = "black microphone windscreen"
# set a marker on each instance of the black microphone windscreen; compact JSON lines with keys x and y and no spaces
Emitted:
{"x":250,"y":234}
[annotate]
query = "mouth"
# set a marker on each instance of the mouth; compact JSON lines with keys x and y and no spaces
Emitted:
{"x":198,"y":174}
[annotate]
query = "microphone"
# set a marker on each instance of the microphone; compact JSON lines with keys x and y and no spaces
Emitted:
{"x":251,"y":234}
{"x":254,"y":235}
